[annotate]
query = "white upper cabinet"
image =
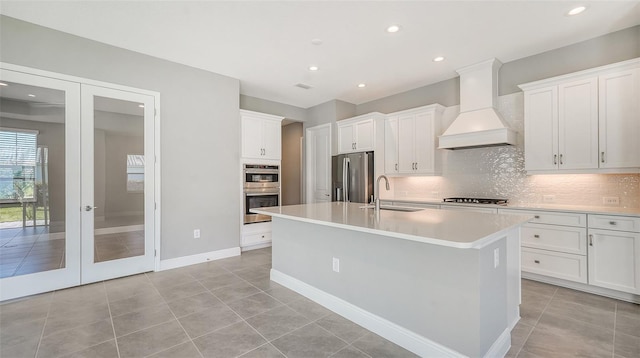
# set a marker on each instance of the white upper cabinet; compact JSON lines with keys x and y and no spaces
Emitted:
{"x":410,"y":141}
{"x":357,"y":134}
{"x":619,"y":113}
{"x":578,"y":124}
{"x":261,"y":135}
{"x":584,"y":122}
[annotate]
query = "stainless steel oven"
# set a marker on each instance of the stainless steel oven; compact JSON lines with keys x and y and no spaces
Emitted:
{"x":261,"y":189}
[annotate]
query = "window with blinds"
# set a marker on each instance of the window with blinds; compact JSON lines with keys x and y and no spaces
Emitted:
{"x":18,"y":160}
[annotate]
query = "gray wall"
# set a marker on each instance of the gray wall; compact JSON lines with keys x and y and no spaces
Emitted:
{"x":275,"y":108}
{"x":291,"y":170}
{"x":614,"y":47}
{"x":199,"y":128}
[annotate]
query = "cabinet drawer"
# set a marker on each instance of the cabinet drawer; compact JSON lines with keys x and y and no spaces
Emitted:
{"x":253,"y":239}
{"x":555,"y":264}
{"x":611,"y":222}
{"x":571,"y":240}
{"x":552,"y":218}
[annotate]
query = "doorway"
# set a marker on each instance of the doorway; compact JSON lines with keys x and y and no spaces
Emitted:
{"x":318,"y":163}
{"x":77,"y":182}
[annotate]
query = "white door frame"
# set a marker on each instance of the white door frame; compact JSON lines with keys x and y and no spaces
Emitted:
{"x":309,"y":155}
{"x":75,"y":201}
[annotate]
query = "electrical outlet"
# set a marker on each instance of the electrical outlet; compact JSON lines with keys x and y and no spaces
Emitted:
{"x":336,"y":265}
{"x":549,"y":198}
{"x":496,"y":257}
{"x":196,"y":233}
{"x":611,"y":200}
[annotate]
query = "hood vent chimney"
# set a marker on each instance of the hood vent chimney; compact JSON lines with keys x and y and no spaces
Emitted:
{"x":479,"y":124}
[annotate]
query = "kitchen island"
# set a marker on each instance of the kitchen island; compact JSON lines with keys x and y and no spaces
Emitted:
{"x":439,"y":283}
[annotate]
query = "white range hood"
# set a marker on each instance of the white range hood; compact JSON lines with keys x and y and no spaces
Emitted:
{"x":479,"y":124}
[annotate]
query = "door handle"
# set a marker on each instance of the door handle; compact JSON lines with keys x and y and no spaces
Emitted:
{"x":89,"y":208}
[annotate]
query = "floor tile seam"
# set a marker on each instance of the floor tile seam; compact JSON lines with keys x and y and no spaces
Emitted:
{"x":333,"y":334}
{"x":236,"y":299}
{"x":179,"y":323}
{"x":175,"y":345}
{"x":354,"y":347}
{"x":586,"y":324}
{"x":615,"y":326}
{"x":113,"y":326}
{"x":260,"y":346}
{"x":44,"y":326}
{"x":141,"y":309}
{"x":526,"y":338}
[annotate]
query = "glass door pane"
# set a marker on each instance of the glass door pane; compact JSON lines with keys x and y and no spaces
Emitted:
{"x":39,"y":228}
{"x":117,"y":181}
{"x":118,"y":178}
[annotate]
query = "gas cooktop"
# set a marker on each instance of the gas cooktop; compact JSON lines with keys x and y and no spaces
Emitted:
{"x":476,"y":201}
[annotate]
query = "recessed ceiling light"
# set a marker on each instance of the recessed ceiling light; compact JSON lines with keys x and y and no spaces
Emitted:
{"x":141,"y":105}
{"x":3,"y":84}
{"x":577,"y":10}
{"x":316,"y":42}
{"x":313,"y":68}
{"x":393,"y":28}
{"x":31,"y":95}
{"x":438,"y":59}
{"x":362,"y":85}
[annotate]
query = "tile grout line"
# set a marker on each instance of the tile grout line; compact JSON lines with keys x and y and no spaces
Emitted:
{"x":615,"y":322}
{"x":46,"y":319}
{"x":537,"y":320}
{"x":177,"y":321}
{"x":113,"y":326}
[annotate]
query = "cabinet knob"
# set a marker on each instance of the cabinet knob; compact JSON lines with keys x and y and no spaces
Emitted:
{"x":536,"y":261}
{"x":536,"y":236}
{"x":612,"y":223}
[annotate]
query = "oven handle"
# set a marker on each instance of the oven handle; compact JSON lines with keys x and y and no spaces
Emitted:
{"x":262,"y":193}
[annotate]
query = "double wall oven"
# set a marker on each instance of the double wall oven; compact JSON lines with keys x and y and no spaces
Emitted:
{"x":261,"y":189}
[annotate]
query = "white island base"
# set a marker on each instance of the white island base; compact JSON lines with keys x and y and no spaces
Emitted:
{"x":434,"y":300}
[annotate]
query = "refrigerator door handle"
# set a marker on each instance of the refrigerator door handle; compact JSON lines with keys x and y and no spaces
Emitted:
{"x":366,"y":177}
{"x":345,"y":178}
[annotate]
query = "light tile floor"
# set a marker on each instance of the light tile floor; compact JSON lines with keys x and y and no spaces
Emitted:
{"x":230,"y":308}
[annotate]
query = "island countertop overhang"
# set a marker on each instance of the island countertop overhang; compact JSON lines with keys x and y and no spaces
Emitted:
{"x":457,"y":229}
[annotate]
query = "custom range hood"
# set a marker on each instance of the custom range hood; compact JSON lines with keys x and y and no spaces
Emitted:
{"x":479,"y":124}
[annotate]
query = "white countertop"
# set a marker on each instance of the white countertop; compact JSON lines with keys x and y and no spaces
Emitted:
{"x":439,"y":227}
{"x":603,"y":210}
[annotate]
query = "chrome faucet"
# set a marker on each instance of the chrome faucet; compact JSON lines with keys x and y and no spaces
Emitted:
{"x":377,"y":190}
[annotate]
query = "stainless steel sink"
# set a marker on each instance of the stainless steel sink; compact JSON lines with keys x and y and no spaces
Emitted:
{"x":392,"y":208}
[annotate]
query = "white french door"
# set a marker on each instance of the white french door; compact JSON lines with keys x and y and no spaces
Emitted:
{"x":39,"y":172}
{"x":77,"y":181}
{"x":117,"y":150}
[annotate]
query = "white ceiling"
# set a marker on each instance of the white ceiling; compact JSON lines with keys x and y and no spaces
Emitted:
{"x":267,"y":45}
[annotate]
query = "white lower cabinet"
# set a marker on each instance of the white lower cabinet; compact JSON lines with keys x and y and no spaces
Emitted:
{"x":614,"y":255}
{"x":470,"y":208}
{"x":555,"y":264}
{"x":554,"y":244}
{"x":255,"y":236}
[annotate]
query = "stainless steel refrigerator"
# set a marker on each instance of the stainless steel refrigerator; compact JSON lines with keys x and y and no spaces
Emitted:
{"x":352,"y":177}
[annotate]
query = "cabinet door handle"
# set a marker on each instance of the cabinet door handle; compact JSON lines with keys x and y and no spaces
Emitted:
{"x":590,"y":239}
{"x":536,"y":261}
{"x":536,"y":236}
{"x":561,"y":159}
{"x":396,"y":166}
{"x":555,"y":159}
{"x":416,"y":165}
{"x":613,"y":223}
{"x":602,"y":157}
{"x":536,"y":216}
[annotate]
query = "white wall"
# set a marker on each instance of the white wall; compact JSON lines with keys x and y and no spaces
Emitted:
{"x":200,"y":128}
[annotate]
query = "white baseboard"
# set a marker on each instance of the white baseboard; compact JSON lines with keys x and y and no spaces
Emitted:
{"x":399,"y":335}
{"x":500,"y":346}
{"x":198,"y":258}
{"x":255,"y":247}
